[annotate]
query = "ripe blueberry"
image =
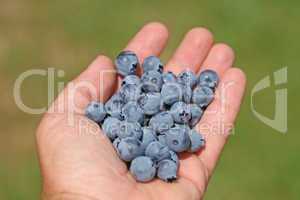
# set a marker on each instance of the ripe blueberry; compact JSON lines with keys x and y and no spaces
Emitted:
{"x":128,"y":148}
{"x":161,"y":122}
{"x":152,"y":63}
{"x":130,"y":129}
{"x":177,"y":139}
{"x":95,"y":111}
{"x":167,"y":170}
{"x":208,"y":78}
{"x":150,"y":103}
{"x":196,"y":113}
{"x":111,"y":127}
{"x":171,"y":93}
{"x":180,"y":112}
{"x":126,"y":63}
{"x":187,"y":78}
{"x":197,"y":141}
{"x":143,"y":169}
{"x":114,"y":106}
{"x":202,"y":96}
{"x":132,"y":112}
{"x":151,"y":81}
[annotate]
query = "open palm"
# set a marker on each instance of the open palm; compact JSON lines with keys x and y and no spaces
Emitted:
{"x":80,"y":163}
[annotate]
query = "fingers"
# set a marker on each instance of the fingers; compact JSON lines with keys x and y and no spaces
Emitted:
{"x":191,"y":52}
{"x":219,"y":59}
{"x":150,"y":40}
{"x":97,"y":82}
{"x":219,"y":117}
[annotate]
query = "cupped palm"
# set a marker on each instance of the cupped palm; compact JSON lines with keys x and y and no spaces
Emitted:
{"x":78,"y":161}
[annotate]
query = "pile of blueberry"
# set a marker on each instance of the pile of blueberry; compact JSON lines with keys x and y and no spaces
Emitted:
{"x":151,"y":119}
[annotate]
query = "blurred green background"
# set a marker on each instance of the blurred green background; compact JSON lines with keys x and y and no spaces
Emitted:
{"x":258,"y":162}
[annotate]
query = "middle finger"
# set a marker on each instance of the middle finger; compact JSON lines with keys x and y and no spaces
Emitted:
{"x":191,"y":52}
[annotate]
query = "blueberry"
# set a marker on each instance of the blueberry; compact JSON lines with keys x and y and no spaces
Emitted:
{"x":151,"y":81}
{"x":187,"y":93}
{"x":169,"y":77}
{"x":131,"y":80}
{"x":126,"y":63}
{"x":196,"y":113}
{"x":157,"y":151}
{"x":148,"y":137}
{"x":132,"y":112}
{"x":130,"y":129}
{"x":202,"y":96}
{"x":116,"y":142}
{"x":161,"y":122}
{"x":114,"y":106}
{"x":167,"y":170}
{"x":128,"y":148}
{"x":197,"y":141}
{"x":187,"y":78}
{"x":130,"y":92}
{"x":111,"y":127}
{"x":208,"y":78}
{"x":177,"y":139}
{"x":150,"y":103}
{"x":152,"y":63}
{"x":162,"y":139}
{"x":143,"y":169}
{"x":180,"y":112}
{"x":171,"y":93}
{"x":95,"y":111}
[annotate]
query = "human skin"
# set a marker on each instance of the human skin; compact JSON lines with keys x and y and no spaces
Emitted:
{"x":84,"y":166}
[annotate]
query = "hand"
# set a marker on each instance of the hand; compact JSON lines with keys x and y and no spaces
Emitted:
{"x":82,"y":164}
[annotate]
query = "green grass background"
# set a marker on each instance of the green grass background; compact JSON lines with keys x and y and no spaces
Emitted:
{"x":258,"y":162}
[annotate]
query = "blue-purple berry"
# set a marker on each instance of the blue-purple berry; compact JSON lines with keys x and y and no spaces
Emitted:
{"x":171,"y":93}
{"x":161,"y":122}
{"x":178,"y":139}
{"x":95,"y":111}
{"x":148,"y":136}
{"x":151,"y":81}
{"x":167,"y":170}
{"x":114,"y":106}
{"x":127,"y":63}
{"x":202,"y":96}
{"x":180,"y":112}
{"x":157,"y":151}
{"x":111,"y":127}
{"x":196,"y":113}
{"x":150,"y":102}
{"x":197,"y":141}
{"x":187,"y":78}
{"x":143,"y":169}
{"x":128,"y":148}
{"x":132,"y":112}
{"x":130,"y":92}
{"x":208,"y":78}
{"x":152,"y":63}
{"x":130,"y":129}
